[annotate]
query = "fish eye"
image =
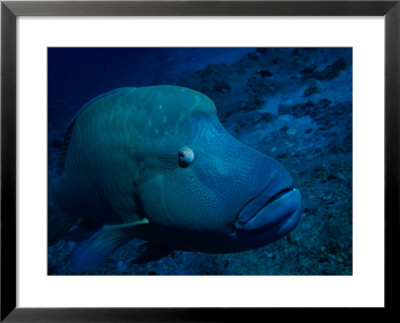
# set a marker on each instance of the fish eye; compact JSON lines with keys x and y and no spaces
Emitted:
{"x":185,"y":156}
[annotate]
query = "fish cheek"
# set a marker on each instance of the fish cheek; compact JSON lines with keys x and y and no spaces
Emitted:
{"x":167,"y":199}
{"x":193,"y":205}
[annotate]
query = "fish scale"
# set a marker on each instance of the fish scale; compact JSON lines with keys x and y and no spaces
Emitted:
{"x":90,"y":161}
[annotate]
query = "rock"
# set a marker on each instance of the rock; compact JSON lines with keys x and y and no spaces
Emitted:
{"x":311,"y":90}
{"x":222,"y":86}
{"x":308,"y":70}
{"x":121,"y":266}
{"x":265,"y":73}
{"x":331,"y":71}
{"x":291,"y":131}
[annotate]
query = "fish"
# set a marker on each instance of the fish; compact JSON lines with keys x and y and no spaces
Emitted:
{"x":155,"y":163}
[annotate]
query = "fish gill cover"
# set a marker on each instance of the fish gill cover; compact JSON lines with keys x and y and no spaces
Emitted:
{"x":292,"y":104}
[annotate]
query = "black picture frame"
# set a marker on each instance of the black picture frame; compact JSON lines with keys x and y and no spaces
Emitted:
{"x":10,"y":10}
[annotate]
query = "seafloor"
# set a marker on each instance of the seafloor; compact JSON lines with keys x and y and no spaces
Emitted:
{"x":293,"y":104}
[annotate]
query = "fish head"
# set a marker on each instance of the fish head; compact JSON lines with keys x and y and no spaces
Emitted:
{"x":204,"y":190}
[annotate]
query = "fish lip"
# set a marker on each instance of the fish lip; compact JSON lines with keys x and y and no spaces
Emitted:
{"x":245,"y":223}
{"x":279,"y":194}
{"x":260,"y":196}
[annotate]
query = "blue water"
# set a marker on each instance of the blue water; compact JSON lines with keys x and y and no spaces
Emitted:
{"x":293,"y":104}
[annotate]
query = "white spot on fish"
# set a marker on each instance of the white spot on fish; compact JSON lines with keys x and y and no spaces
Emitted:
{"x":160,"y":107}
{"x":197,"y":101}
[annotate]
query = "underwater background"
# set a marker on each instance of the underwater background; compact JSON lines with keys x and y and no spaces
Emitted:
{"x":293,"y":104}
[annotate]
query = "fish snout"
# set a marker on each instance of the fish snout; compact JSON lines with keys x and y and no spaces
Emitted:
{"x":277,"y":205}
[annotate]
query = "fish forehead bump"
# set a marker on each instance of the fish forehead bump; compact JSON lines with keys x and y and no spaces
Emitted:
{"x":176,"y":99}
{"x":166,"y":108}
{"x":150,"y":112}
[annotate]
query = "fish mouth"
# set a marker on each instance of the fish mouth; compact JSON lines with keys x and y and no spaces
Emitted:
{"x":270,"y":209}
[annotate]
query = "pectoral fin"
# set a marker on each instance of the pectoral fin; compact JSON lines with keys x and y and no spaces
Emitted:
{"x":83,"y":230}
{"x":90,"y":253}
